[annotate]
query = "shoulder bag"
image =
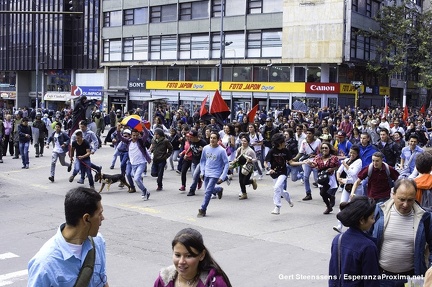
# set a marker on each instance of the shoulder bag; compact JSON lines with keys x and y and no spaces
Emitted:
{"x":86,"y":271}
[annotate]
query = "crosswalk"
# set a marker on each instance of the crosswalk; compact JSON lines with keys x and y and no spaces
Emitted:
{"x":16,"y":278}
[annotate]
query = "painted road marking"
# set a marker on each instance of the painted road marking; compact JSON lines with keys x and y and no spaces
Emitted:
{"x":7,"y":255}
{"x":10,"y":278}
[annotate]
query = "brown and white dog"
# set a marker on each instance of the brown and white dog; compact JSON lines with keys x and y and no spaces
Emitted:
{"x":109,"y":179}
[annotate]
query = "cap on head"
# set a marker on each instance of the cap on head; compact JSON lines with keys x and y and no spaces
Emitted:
{"x":341,"y":134}
{"x":127,"y":131}
{"x":193,"y":133}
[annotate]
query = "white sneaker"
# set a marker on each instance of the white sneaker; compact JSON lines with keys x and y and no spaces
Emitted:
{"x":255,"y":173}
{"x":291,"y":204}
{"x":337,"y":229}
{"x":276,"y":210}
{"x":213,"y":196}
{"x":260,"y":177}
{"x":302,"y":181}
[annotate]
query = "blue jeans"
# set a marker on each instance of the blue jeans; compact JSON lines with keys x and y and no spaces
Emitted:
{"x":196,"y":171}
{"x":137,"y":171}
{"x":158,"y":169}
{"x":129,"y":174}
{"x":307,"y":169}
{"x":210,"y":188}
{"x":85,"y":165}
{"x":24,"y":149}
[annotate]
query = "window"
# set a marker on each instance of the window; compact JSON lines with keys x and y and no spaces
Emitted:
{"x":194,"y":10}
{"x":135,"y":16}
{"x":207,"y":74}
{"x":235,"y":7}
{"x":112,"y":19}
{"x":166,"y":13}
{"x":194,"y":46}
{"x":280,"y":74}
{"x":216,"y":8}
{"x":242,"y":74}
{"x":112,"y":50}
{"x":191,"y":73}
{"x":264,"y":44}
{"x":163,"y":47}
{"x":254,"y":7}
{"x":313,"y":74}
{"x":127,"y":49}
{"x":140,"y":48}
{"x":168,"y":47}
{"x":117,"y":77}
{"x":299,"y":74}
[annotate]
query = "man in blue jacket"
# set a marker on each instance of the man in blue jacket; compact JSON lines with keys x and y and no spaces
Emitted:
{"x":403,"y":230}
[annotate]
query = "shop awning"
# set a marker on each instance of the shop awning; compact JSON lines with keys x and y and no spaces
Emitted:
{"x":58,"y":96}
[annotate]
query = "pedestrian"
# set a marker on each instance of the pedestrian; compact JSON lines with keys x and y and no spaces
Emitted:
{"x":403,"y":233}
{"x":8,"y":135}
{"x":42,"y":133}
{"x":83,"y":152}
{"x":408,"y":156}
{"x":354,"y":254}
{"x":380,"y":177}
{"x":91,"y":138}
{"x":62,"y":258}
{"x":15,"y":134}
{"x":25,"y":139}
{"x":346,"y":175}
{"x":61,"y":142}
{"x":197,"y":145}
{"x":138,"y":156}
{"x":162,"y":150}
{"x":326,"y":162}
{"x":246,"y":169}
{"x":276,"y":165}
{"x":309,"y":148}
{"x":214,"y":169}
{"x":193,"y":264}
{"x":424,"y":180}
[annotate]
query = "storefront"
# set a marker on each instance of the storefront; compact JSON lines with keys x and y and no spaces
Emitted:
{"x":7,"y":100}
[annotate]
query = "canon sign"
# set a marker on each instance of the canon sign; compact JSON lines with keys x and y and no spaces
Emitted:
{"x":322,"y":88}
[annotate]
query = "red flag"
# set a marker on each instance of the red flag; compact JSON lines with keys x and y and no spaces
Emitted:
{"x":423,"y":109}
{"x":386,"y":107}
{"x":252,"y":114}
{"x":219,"y":109}
{"x":405,"y":114}
{"x":203,"y":109}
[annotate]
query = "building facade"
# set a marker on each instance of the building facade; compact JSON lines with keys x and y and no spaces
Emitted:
{"x":176,"y":52}
{"x":42,"y":47}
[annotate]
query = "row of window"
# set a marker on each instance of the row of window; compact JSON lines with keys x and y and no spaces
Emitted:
{"x":189,"y":11}
{"x":253,"y":44}
{"x":229,"y":73}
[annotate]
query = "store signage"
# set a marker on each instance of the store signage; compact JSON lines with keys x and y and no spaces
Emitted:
{"x":350,"y":89}
{"x":89,"y":92}
{"x":136,"y":85}
{"x":180,"y":85}
{"x":322,"y":88}
{"x":263,"y":87}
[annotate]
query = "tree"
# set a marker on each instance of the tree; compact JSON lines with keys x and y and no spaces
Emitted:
{"x":403,"y":43}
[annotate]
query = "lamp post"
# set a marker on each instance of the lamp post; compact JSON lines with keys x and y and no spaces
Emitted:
{"x":37,"y":58}
{"x":223,"y":44}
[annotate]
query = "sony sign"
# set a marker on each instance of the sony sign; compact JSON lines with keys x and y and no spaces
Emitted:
{"x":136,"y":85}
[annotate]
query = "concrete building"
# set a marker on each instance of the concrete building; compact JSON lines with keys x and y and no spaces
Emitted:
{"x":172,"y":52}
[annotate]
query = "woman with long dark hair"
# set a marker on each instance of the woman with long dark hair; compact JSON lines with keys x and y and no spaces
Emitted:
{"x":327,"y":161}
{"x":193,"y":264}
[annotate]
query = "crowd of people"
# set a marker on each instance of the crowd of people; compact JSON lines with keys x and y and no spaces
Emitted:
{"x":378,"y":161}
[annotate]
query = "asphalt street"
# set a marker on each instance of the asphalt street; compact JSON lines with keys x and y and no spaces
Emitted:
{"x":254,"y":247}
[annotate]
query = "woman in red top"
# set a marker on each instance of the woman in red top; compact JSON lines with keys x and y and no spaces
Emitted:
{"x":327,"y":160}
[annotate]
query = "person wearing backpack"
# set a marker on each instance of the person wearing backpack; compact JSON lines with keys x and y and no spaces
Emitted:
{"x":380,"y":178}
